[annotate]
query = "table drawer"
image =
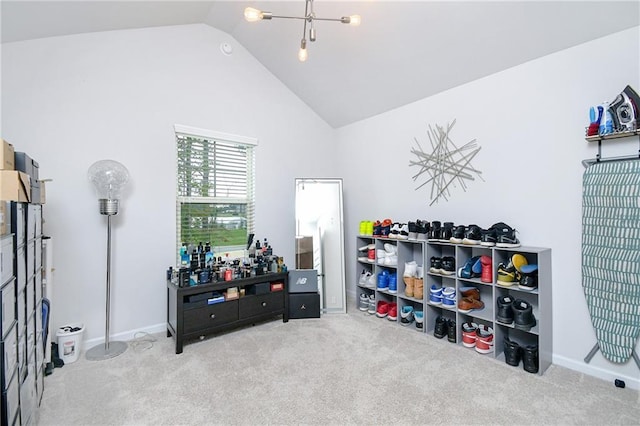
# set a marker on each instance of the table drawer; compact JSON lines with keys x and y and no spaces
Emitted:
{"x":210,"y":316}
{"x":251,"y":306}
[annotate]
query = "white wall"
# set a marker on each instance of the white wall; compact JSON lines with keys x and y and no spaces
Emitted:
{"x":70,"y":101}
{"x":529,"y":121}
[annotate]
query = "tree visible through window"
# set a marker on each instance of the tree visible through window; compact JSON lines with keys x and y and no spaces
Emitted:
{"x":215,"y":197}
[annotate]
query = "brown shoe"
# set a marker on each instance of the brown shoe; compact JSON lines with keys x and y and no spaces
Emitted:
{"x":470,"y":292}
{"x":418,"y":288}
{"x":408,"y":282}
{"x":467,"y":304}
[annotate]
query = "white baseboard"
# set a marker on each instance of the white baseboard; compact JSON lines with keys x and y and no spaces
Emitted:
{"x":591,"y":370}
{"x":126,"y":335}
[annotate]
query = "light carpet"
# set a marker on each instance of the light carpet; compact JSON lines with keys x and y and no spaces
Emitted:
{"x":337,"y":370}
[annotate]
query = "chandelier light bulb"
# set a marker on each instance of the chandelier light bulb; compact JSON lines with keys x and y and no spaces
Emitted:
{"x":109,"y":178}
{"x":252,"y":15}
{"x":302,"y":53}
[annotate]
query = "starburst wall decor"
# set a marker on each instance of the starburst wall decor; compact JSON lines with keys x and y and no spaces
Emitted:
{"x":446,"y":166}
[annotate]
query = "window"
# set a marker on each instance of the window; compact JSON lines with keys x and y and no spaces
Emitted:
{"x":215,"y":189}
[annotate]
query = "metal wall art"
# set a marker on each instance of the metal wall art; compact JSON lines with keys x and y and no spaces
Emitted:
{"x":447,"y":165}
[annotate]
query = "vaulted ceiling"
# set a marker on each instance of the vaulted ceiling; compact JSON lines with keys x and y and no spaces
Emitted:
{"x":402,"y":51}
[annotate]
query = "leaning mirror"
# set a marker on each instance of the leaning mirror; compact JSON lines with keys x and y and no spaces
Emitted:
{"x":320,"y":238}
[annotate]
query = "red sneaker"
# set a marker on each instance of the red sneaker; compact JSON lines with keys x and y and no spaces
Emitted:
{"x":484,"y":339}
{"x":383,"y":309}
{"x":487,"y":270}
{"x":393,"y":311}
{"x":469,"y":334}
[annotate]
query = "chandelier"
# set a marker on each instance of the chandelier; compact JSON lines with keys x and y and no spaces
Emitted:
{"x":252,"y":15}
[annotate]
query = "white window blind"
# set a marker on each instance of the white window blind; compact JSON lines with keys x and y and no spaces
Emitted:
{"x":215,"y":199}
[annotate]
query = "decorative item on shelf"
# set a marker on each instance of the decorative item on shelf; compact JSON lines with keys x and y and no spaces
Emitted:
{"x":252,"y":15}
{"x":109,"y":178}
{"x":447,"y":164}
{"x":619,"y":117}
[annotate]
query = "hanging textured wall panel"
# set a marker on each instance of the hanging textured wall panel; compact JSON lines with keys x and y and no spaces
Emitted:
{"x":611,"y":255}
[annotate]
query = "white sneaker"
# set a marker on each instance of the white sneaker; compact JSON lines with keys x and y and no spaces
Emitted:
{"x":371,"y":309}
{"x":372,"y":281}
{"x":403,"y":234}
{"x":391,"y":260}
{"x":364,"y":277}
{"x":390,"y":248}
{"x":363,"y":305}
{"x":410,"y":269}
{"x":367,"y":247}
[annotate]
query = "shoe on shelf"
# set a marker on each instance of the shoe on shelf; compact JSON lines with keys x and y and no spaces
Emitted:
{"x":422,"y":229}
{"x":393,"y":283}
{"x":383,"y":309}
{"x":473,"y":235}
{"x":530,"y":358}
{"x":371,"y":253}
{"x":449,"y":297}
{"x":488,"y":237}
{"x":486,"y":276}
{"x":391,"y":249}
{"x":484,"y":339}
{"x":440,"y":329}
{"x":470,"y":292}
{"x":435,"y":294}
{"x":404,"y":232}
{"x":505,"y":310}
{"x":435,"y":233}
{"x":409,"y":277}
{"x":385,"y":228}
{"x":529,"y":277}
{"x":406,"y":315}
{"x":395,"y":230}
{"x":452,"y":331}
{"x":512,"y":352}
{"x":505,"y":236}
{"x":372,"y":304}
{"x":457,"y":234}
{"x":418,"y":283}
{"x":469,"y":334}
{"x":412,"y":228}
{"x":392,"y":314}
{"x":467,"y":304}
{"x":509,"y":274}
{"x":372,"y":281}
{"x":472,"y":268}
{"x":377,"y":228}
{"x":419,"y":317}
{"x":383,"y":280}
{"x":448,"y":265}
{"x":367,"y":247}
{"x":363,"y":304}
{"x":364,"y":278}
{"x":447,"y":232}
{"x":523,"y":318}
{"x":436,"y":265}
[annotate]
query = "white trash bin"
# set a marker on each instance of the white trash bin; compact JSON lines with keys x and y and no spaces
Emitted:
{"x":70,"y":342}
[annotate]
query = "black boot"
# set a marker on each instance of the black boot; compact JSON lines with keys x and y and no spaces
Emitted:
{"x":436,"y":231}
{"x":530,"y":358}
{"x":451,"y":331}
{"x":523,"y":315}
{"x":511,"y":352}
{"x":505,"y":311}
{"x":440,"y":329}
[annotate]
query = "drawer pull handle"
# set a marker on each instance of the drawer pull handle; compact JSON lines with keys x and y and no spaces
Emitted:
{"x":264,"y":304}
{"x":212,"y":316}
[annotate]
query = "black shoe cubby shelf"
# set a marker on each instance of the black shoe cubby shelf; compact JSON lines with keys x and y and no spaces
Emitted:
{"x":409,"y":299}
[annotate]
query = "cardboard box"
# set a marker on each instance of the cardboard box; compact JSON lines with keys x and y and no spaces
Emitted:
{"x":7,"y":156}
{"x":43,"y":195}
{"x":15,"y":186}
{"x":26,"y":164}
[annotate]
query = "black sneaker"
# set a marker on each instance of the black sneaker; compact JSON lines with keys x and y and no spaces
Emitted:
{"x":512,"y":352}
{"x":505,"y":236}
{"x":436,"y":231}
{"x":530,"y":358}
{"x":523,"y":315}
{"x":451,"y":331}
{"x":422,"y":229}
{"x":473,"y":236}
{"x":448,"y":265}
{"x":436,"y":265}
{"x":440,"y":329}
{"x":528,"y":278}
{"x":413,"y":230}
{"x":447,"y":232}
{"x":458,"y":234}
{"x":505,"y":310}
{"x":488,"y":237}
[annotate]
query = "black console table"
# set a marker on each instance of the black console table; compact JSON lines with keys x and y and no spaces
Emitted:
{"x":190,"y":313}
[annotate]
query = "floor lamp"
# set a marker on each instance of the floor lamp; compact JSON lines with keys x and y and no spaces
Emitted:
{"x":109,"y":178}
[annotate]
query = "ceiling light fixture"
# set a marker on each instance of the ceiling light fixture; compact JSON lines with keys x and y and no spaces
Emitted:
{"x":253,"y":15}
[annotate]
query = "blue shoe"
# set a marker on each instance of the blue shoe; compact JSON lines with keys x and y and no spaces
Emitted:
{"x":449,"y":297}
{"x":406,"y":315}
{"x":419,"y":317}
{"x":393,"y":283}
{"x":435,"y":295}
{"x":383,"y":280}
{"x":472,"y":268}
